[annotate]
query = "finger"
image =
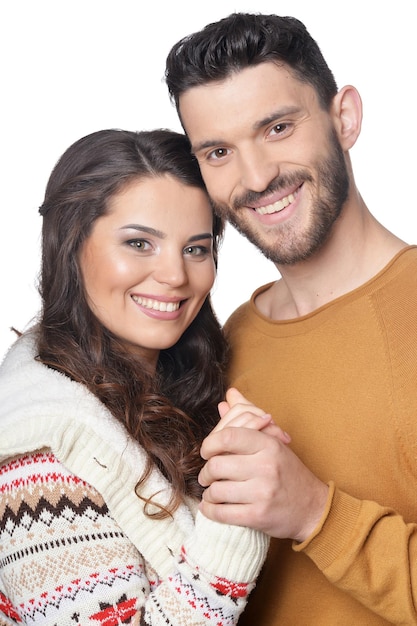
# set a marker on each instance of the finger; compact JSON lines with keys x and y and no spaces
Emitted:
{"x":235,"y":498}
{"x":242,"y":410}
{"x":228,"y":492}
{"x":233,"y":396}
{"x":235,"y":399}
{"x":243,"y":420}
{"x":242,"y":440}
{"x":235,"y":514}
{"x":223,"y":408}
{"x":222,"y":471}
{"x":275,"y":431}
{"x":231,"y":441}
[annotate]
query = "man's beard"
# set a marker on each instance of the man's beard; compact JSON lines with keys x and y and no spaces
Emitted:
{"x":291,"y":247}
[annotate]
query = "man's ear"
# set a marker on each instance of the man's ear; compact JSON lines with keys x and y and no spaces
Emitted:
{"x":347,"y":116}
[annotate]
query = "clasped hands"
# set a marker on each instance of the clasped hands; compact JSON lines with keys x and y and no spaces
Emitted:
{"x":253,"y":478}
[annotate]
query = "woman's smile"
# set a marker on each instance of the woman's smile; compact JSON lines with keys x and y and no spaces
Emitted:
{"x":148,"y":264}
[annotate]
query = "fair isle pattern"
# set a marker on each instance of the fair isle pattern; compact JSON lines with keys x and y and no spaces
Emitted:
{"x":63,"y":560}
{"x":67,"y":600}
{"x":182,"y":602}
{"x":190,"y":605}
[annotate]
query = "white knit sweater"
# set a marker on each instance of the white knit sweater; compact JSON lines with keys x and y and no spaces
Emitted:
{"x":55,"y":435}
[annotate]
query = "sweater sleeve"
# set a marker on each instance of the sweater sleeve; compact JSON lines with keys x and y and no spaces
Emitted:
{"x":216,"y":570}
{"x":64,"y":559}
{"x":370,"y":552}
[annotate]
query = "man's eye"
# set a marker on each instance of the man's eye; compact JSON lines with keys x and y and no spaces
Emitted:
{"x":218,"y":153}
{"x":278,"y":129}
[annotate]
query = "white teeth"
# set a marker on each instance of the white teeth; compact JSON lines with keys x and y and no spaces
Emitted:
{"x":277,"y":206}
{"x":157,"y":305}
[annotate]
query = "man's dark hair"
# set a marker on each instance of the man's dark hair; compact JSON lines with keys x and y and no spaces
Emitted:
{"x":243,"y":40}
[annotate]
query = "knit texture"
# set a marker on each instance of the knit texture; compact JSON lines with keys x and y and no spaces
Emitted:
{"x":343,"y":382}
{"x":75,"y":544}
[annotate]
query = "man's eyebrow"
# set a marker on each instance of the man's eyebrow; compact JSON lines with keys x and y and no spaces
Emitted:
{"x":203,"y":145}
{"x":274,"y":116}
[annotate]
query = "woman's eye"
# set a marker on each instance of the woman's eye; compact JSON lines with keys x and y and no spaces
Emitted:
{"x":196,"y":250}
{"x":139,"y":244}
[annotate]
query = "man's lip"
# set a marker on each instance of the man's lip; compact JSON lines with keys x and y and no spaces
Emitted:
{"x":275,"y":197}
{"x":278,"y":206}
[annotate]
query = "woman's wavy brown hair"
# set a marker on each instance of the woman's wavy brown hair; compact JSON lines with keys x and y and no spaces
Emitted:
{"x":168,"y":413}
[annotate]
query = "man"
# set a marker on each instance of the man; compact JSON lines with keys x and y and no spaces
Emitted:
{"x":329,"y":349}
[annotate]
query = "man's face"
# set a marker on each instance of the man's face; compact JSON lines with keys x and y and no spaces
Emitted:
{"x":270,"y":158}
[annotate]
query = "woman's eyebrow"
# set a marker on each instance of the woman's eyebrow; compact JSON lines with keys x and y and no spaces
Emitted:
{"x":159,"y":233}
{"x":202,"y":236}
{"x":145,"y":229}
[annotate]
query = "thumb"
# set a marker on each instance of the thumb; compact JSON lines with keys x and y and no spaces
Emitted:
{"x":233,"y":396}
{"x":223,"y":408}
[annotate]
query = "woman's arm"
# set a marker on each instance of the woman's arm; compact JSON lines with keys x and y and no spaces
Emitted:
{"x":64,"y":559}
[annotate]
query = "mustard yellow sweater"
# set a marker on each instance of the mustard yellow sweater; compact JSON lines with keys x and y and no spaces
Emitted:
{"x":343,"y":382}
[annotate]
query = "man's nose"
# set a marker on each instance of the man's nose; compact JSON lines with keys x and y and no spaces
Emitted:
{"x":257,"y":169}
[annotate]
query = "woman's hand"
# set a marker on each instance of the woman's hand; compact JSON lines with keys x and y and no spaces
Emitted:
{"x":252,"y":478}
{"x":236,"y":411}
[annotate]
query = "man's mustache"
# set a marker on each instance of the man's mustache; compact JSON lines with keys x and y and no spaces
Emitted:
{"x":250,"y":198}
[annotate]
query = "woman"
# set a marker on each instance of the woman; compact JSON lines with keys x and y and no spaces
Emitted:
{"x":104,"y":403}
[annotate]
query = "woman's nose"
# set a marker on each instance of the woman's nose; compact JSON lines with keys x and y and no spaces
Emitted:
{"x":171,"y":270}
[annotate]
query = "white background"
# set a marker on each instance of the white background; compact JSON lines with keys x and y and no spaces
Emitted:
{"x":70,"y":67}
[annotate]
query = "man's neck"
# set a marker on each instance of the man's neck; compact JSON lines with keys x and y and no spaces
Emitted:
{"x":358,"y":249}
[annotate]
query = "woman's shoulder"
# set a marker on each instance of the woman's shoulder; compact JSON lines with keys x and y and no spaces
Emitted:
{"x":41,"y":407}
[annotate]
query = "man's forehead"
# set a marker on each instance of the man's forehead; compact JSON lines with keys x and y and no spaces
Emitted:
{"x":250,"y":98}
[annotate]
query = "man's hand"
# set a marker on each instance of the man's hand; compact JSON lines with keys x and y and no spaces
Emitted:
{"x":253,"y":478}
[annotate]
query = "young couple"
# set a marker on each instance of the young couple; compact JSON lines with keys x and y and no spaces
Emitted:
{"x":124,"y":498}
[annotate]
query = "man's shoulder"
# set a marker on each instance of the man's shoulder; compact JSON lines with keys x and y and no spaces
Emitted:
{"x":401,"y":271}
{"x":236,"y":318}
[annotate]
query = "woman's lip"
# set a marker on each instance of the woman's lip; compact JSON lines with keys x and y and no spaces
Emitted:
{"x":159,"y":297}
{"x":167,"y":309}
{"x":160,"y":304}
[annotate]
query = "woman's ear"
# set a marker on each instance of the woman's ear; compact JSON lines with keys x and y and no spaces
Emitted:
{"x":347,"y":116}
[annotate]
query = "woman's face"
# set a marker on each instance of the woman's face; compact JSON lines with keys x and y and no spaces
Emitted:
{"x":148,"y":265}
